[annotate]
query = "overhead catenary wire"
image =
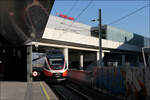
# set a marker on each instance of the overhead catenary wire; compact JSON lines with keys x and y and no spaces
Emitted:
{"x":109,"y":23}
{"x":70,"y":10}
{"x":120,"y":19}
{"x":78,"y":16}
{"x":137,"y":10}
{"x":75,"y":3}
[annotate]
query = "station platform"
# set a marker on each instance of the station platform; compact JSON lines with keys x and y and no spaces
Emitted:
{"x":26,"y":91}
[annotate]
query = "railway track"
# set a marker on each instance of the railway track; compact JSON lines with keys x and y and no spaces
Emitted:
{"x":65,"y":92}
{"x":95,"y":95}
{"x":71,"y":91}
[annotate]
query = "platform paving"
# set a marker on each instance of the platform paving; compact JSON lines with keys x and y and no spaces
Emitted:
{"x":26,"y":91}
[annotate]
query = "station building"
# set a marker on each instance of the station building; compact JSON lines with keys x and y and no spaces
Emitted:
{"x":80,"y":44}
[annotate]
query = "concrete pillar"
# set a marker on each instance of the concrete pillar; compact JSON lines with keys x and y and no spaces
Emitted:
{"x":103,"y":58}
{"x":97,"y":55}
{"x":66,"y":54}
{"x":29,"y":63}
{"x":81,"y":61}
{"x":123,"y":59}
{"x":102,"y":55}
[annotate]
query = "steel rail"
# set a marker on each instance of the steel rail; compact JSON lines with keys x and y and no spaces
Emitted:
{"x":79,"y":93}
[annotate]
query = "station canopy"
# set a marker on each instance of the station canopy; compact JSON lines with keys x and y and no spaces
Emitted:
{"x":22,"y":21}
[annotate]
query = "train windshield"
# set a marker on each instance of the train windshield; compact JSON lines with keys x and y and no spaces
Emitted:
{"x":58,"y":61}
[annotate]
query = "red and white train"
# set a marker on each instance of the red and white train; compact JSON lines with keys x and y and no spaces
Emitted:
{"x":54,"y":66}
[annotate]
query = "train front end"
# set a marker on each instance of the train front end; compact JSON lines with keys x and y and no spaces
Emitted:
{"x":55,"y":68}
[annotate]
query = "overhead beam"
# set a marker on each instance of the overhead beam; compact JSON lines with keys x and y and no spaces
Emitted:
{"x":63,"y":46}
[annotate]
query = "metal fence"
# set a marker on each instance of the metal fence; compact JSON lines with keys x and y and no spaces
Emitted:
{"x":129,"y":83}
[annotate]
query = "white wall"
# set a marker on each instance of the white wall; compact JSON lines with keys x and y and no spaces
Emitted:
{"x":59,"y":23}
{"x":72,"y":37}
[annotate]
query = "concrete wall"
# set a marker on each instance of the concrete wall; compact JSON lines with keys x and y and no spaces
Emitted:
{"x":72,"y":37}
{"x":59,"y":23}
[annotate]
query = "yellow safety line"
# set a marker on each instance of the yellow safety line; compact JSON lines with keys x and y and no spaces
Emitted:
{"x":45,"y":92}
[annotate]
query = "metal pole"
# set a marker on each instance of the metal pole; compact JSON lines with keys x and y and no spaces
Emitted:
{"x":100,"y":40}
{"x":29,"y":63}
{"x":144,"y":57}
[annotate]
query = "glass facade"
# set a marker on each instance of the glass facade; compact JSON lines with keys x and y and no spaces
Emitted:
{"x":115,"y":34}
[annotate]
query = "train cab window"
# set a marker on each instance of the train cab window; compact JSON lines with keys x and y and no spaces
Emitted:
{"x":56,"y":61}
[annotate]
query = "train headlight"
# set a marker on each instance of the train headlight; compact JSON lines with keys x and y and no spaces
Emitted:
{"x":35,"y":73}
{"x":64,"y":74}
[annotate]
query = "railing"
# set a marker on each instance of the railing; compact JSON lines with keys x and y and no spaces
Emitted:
{"x":131,"y":83}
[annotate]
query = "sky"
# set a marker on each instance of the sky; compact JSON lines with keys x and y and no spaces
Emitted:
{"x":112,"y":10}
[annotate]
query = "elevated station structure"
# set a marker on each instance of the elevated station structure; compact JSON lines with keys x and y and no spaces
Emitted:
{"x":80,"y":43}
{"x":22,"y":31}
